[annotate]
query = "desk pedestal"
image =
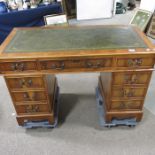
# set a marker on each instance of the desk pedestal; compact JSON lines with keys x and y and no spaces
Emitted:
{"x":124,"y":94}
{"x":33,"y":97}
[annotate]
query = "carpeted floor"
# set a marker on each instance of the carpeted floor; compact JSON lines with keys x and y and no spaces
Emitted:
{"x":78,"y":132}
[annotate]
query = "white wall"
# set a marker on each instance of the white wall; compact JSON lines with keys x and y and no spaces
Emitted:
{"x":148,"y":5}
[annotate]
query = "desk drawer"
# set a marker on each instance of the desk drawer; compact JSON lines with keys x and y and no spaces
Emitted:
{"x":29,"y":96}
{"x":127,"y":92}
{"x":126,"y":105}
{"x":130,"y":78}
{"x":27,"y":109}
{"x":75,"y":64}
{"x":18,"y":66}
{"x":25,"y":82}
{"x":135,"y":62}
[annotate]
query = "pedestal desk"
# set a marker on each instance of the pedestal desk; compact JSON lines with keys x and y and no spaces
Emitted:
{"x":30,"y":57}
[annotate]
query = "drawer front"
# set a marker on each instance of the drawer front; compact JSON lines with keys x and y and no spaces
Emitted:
{"x":75,"y":64}
{"x":18,"y":66}
{"x":139,"y":78}
{"x":139,"y":62}
{"x":25,"y":82}
{"x":29,"y":96}
{"x":119,"y":92}
{"x":126,"y":105}
{"x":27,"y":109}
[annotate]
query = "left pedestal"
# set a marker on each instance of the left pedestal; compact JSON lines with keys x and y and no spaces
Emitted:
{"x":33,"y":97}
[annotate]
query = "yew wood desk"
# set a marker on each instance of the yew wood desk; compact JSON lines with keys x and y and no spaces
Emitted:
{"x":30,"y":57}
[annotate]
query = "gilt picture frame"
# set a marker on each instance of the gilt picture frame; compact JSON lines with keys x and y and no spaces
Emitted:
{"x":151,"y":29}
{"x":141,"y":19}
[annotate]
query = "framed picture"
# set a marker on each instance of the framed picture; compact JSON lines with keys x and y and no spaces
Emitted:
{"x":141,"y":19}
{"x":151,"y":29}
{"x":60,"y":19}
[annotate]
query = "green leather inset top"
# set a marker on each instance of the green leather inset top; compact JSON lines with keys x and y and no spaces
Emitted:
{"x":43,"y":40}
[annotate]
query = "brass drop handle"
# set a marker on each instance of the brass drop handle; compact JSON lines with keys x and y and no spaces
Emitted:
{"x":91,"y":65}
{"x":44,"y":64}
{"x":32,"y":108}
{"x":129,"y":104}
{"x":128,"y":93}
{"x":13,"y":66}
{"x":58,"y":67}
{"x":125,"y":105}
{"x":54,"y":66}
{"x":134,"y":78}
{"x":26,"y":96}
{"x":27,"y":109}
{"x":29,"y":96}
{"x":134,"y":62}
{"x":122,"y":105}
{"x":131,"y":79}
{"x":21,"y":67}
{"x":35,"y":108}
{"x":17,"y":66}
{"x":22,"y":82}
{"x":29,"y":82}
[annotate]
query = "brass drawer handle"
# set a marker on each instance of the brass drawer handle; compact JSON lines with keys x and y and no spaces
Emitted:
{"x":61,"y":66}
{"x":128,"y":93}
{"x":125,"y":105}
{"x":29,"y":96}
{"x":91,"y":65}
{"x":26,"y":96}
{"x":134,"y":62}
{"x":122,"y":105}
{"x":131,"y":79}
{"x":32,"y":108}
{"x":29,"y":82}
{"x":17,"y":66}
{"x":23,"y":82}
{"x":44,"y":65}
{"x":58,"y":67}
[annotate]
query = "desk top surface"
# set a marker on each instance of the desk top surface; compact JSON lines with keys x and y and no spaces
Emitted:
{"x":54,"y":42}
{"x":90,"y":38}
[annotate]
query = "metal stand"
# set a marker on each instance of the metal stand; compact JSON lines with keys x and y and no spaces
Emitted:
{"x":45,"y":123}
{"x":131,"y":122}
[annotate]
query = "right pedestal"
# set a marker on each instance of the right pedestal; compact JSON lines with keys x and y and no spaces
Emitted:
{"x":124,"y":94}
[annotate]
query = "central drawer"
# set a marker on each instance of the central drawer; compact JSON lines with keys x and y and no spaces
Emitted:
{"x":29,"y":96}
{"x":75,"y":64}
{"x":127,"y":92}
{"x":25,"y":82}
{"x":29,"y":109}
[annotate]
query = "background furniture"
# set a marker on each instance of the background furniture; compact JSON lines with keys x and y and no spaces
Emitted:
{"x":26,"y":18}
{"x":92,"y":9}
{"x":122,"y":51}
